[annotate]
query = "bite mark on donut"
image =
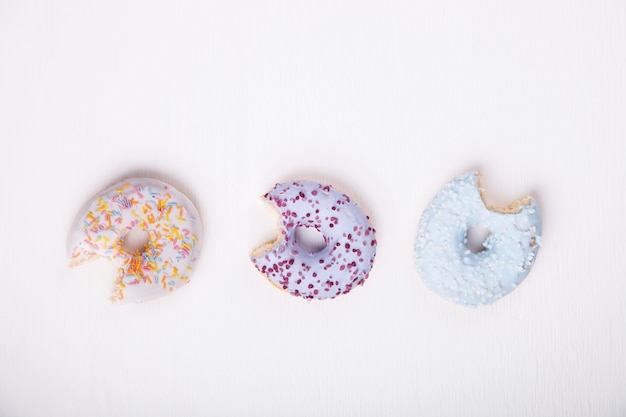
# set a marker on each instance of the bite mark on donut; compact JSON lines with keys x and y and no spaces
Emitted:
{"x":267,"y":247}
{"x":514,"y":208}
{"x":84,"y":259}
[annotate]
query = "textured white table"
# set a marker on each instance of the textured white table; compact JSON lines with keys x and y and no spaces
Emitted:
{"x":388,"y":101}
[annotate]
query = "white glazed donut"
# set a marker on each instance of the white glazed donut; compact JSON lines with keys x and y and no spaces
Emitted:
{"x":450,"y":269}
{"x":173,"y":229}
{"x":342,"y":264}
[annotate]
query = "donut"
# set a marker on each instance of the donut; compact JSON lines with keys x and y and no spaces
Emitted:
{"x":172,"y":225}
{"x":456,"y":273}
{"x":350,"y":242}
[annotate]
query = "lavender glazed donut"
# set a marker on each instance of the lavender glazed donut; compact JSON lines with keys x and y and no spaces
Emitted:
{"x":342,"y":264}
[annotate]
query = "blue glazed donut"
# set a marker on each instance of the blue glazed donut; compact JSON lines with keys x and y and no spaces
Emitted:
{"x":453,"y":271}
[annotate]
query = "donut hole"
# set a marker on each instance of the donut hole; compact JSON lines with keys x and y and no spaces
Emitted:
{"x":135,"y":241}
{"x":309,"y":239}
{"x":476,"y":238}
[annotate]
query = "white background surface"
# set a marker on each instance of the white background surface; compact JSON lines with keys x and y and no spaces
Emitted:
{"x":388,"y":101}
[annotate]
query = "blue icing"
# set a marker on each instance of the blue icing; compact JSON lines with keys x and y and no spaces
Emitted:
{"x":450,"y":269}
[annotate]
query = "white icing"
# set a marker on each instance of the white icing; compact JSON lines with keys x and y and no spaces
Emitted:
{"x":342,"y":264}
{"x":174,"y":235}
{"x":450,"y":269}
